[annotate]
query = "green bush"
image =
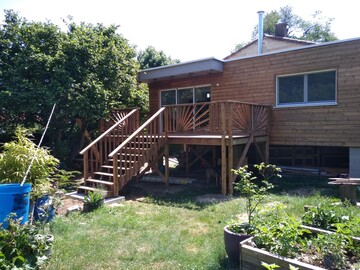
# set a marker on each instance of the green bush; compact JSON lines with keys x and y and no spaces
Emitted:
{"x":16,"y":158}
{"x":326,"y":215}
{"x":280,"y":234}
{"x":24,"y":246}
{"x":93,"y":200}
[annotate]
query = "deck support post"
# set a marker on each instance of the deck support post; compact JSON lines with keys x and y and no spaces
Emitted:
{"x":223,"y":149}
{"x":230,"y":149}
{"x":166,"y":150}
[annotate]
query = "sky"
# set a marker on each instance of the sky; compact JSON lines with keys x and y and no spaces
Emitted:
{"x":185,"y":29}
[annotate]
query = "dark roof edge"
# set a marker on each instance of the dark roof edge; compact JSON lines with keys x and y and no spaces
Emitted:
{"x":296,"y":49}
{"x":182,"y":63}
{"x":190,"y":68}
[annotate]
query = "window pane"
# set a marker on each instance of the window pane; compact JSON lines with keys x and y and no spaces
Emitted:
{"x":291,"y":89}
{"x":185,"y":96}
{"x":321,"y":86}
{"x":168,"y":97}
{"x":202,"y":94}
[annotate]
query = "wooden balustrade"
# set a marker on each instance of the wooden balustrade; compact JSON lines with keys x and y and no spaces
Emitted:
{"x":96,"y":153}
{"x":209,"y":117}
{"x":141,"y":147}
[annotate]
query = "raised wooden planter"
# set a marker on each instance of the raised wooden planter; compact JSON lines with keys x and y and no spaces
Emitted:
{"x":318,"y":230}
{"x":251,"y":258}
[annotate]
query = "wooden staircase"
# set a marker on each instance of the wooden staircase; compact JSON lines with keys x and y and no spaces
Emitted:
{"x":120,"y":153}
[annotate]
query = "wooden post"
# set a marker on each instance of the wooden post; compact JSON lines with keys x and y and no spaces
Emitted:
{"x":86,"y":165}
{"x":348,"y":192}
{"x":230,"y":149}
{"x":223,"y":149}
{"x":115,"y":177}
{"x":166,"y":149}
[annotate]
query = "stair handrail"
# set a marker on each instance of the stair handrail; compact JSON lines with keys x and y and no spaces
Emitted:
{"x":107,"y":131}
{"x":136,"y":132}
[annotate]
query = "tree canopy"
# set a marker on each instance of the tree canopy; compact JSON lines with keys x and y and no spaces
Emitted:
{"x":317,"y":30}
{"x":87,"y":71}
{"x":150,"y":58}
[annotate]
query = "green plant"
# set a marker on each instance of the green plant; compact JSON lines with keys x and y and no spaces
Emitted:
{"x":93,"y":200}
{"x":24,"y":246}
{"x":332,"y":248}
{"x":269,"y":266}
{"x":15,"y":160}
{"x":254,"y":193}
{"x":280,"y":233}
{"x":326,"y":215}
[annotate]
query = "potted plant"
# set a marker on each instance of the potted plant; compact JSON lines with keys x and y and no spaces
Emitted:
{"x":253,"y":187}
{"x":93,"y":200}
{"x":43,"y":176}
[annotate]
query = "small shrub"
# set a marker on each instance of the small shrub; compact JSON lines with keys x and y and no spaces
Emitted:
{"x":280,"y":234}
{"x":24,"y":246}
{"x":255,"y":193}
{"x":326,"y":216}
{"x":93,"y":200}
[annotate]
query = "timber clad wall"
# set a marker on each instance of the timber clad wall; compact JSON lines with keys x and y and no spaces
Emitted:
{"x":254,"y":80}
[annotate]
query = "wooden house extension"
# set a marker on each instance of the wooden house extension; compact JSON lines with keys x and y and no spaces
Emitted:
{"x":313,"y":91}
{"x":305,"y":97}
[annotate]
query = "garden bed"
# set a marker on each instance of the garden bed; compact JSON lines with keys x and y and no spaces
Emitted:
{"x":252,"y":258}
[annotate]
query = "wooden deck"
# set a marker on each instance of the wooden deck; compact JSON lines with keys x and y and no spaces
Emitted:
{"x":205,"y":139}
{"x":122,"y":150}
{"x":225,"y":124}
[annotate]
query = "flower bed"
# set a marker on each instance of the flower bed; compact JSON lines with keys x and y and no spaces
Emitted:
{"x":252,"y":258}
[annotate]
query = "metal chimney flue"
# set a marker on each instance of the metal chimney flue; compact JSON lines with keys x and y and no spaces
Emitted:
{"x":260,"y":31}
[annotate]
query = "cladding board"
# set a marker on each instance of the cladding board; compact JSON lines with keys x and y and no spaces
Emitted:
{"x":254,"y":80}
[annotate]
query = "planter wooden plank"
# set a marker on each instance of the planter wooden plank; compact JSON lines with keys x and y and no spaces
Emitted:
{"x":251,"y":258}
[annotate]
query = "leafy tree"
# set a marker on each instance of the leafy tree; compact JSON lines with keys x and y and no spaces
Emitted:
{"x":317,"y":30}
{"x":150,"y":58}
{"x":87,"y":71}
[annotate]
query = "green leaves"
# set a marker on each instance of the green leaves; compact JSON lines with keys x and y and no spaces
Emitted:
{"x":87,"y":71}
{"x":252,"y":191}
{"x":16,"y":157}
{"x":24,"y":246}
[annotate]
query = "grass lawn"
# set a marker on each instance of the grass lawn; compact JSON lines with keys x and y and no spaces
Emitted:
{"x":171,"y":232}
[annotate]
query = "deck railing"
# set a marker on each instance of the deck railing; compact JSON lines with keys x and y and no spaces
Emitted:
{"x":213,"y":117}
{"x":142,"y":146}
{"x":96,"y":153}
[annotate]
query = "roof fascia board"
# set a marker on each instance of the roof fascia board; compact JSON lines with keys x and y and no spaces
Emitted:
{"x":193,"y":67}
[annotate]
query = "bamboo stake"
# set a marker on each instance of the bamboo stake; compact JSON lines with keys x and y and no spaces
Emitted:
{"x":42,"y":137}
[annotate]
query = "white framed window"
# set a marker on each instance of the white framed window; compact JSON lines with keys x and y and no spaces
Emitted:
{"x":306,"y":89}
{"x":187,"y":95}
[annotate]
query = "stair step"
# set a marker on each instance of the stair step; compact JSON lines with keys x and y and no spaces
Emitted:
{"x":102,"y":182}
{"x":122,"y":168}
{"x":130,"y":154}
{"x":104,"y":174}
{"x":110,"y":200}
{"x":108,"y":174}
{"x":107,"y":193}
{"x":88,"y":188}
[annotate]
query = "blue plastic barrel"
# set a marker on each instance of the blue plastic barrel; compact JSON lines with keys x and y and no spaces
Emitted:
{"x":14,"y":198}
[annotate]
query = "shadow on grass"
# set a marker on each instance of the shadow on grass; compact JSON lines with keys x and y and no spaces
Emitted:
{"x":226,"y":264}
{"x":304,"y":185}
{"x":183,"y":199}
